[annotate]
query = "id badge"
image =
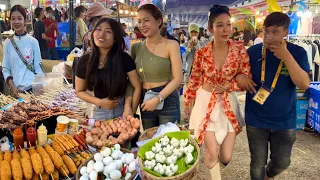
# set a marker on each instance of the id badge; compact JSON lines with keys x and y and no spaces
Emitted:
{"x":261,"y":96}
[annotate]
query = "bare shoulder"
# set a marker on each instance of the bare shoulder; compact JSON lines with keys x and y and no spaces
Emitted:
{"x":172,"y":44}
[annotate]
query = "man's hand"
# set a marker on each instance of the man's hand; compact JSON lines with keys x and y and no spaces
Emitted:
{"x":14,"y":91}
{"x":280,"y":51}
{"x":108,"y":104}
{"x":246,"y":83}
{"x":191,"y":44}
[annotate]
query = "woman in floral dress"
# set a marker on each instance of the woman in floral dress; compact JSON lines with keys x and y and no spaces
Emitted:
{"x":215,"y":116}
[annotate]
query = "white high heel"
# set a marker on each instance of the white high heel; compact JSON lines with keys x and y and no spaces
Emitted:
{"x":215,"y":172}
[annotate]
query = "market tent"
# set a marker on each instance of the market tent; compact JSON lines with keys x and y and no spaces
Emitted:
{"x":196,"y":6}
{"x":194,"y":11}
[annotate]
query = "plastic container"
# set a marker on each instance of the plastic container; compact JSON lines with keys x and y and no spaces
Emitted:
{"x":18,"y":138}
{"x":74,"y":124}
{"x":46,"y":81}
{"x":31,"y":136}
{"x":62,"y":123}
{"x":42,"y":135}
{"x":58,"y":133}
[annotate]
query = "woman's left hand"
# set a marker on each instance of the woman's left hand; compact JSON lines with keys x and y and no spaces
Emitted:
{"x":222,"y":88}
{"x":150,"y":105}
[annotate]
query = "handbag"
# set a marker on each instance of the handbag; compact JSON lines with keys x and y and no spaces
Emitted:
{"x":29,"y":66}
{"x":150,"y":94}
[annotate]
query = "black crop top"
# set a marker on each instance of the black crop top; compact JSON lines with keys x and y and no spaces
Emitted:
{"x":99,"y":92}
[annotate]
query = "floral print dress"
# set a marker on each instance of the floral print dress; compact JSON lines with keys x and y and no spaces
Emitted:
{"x":205,"y":71}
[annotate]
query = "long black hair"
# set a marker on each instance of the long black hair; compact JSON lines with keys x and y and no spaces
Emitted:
{"x":112,"y":77}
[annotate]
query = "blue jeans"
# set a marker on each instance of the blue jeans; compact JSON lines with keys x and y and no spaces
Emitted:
{"x":169,"y":113}
{"x":281,"y":143}
{"x":98,"y":113}
{"x":52,"y":53}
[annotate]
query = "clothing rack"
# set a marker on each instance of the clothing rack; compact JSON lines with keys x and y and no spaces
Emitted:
{"x":309,"y":43}
{"x":302,"y":36}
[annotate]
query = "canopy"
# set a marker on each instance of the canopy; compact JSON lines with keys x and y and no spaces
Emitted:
{"x":194,"y":11}
{"x":196,"y":6}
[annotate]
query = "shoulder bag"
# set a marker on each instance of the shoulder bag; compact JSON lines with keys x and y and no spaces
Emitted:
{"x":29,"y":66}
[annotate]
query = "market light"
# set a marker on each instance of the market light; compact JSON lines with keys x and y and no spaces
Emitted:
{"x":132,"y":13}
{"x":127,"y":12}
{"x":136,"y":13}
{"x":257,"y":12}
{"x":121,"y":11}
{"x":259,"y":19}
{"x":284,"y":11}
{"x":232,"y":19}
{"x":130,"y":24}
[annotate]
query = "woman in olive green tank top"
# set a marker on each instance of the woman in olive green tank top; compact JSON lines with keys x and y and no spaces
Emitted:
{"x":159,"y":66}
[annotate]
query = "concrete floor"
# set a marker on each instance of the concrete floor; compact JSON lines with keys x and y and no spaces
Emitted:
{"x":305,"y":160}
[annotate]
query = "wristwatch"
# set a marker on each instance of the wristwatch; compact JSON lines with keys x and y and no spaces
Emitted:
{"x":160,"y":98}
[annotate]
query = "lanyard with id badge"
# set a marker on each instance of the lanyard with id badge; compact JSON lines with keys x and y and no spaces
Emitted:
{"x":263,"y":93}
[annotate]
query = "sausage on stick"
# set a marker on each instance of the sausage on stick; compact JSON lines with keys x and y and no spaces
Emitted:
{"x":64,"y":170}
{"x":16,"y":168}
{"x":32,"y":151}
{"x":70,"y":164}
{"x":57,"y":148}
{"x":37,"y":163}
{"x":27,"y":168}
{"x":16,"y":155}
{"x":24,"y":154}
{"x":55,"y":174}
{"x":5,"y":170}
{"x":7,"y":156}
{"x":1,"y":156}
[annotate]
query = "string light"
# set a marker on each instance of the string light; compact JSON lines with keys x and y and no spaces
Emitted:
{"x":257,"y":12}
{"x":121,"y":11}
{"x":127,"y":12}
{"x":132,"y":13}
{"x":232,"y":19}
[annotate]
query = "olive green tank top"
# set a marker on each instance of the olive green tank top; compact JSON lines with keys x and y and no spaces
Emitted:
{"x":150,"y":67}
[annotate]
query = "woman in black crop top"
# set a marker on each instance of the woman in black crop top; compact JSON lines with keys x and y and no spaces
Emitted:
{"x":101,"y":77}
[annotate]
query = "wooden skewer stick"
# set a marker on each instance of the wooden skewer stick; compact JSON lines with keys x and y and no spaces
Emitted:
{"x":40,"y":176}
{"x":65,"y":173}
{"x":52,"y":176}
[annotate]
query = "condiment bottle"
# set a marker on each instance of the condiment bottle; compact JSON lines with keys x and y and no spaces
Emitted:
{"x":31,"y":136}
{"x":42,"y":135}
{"x":18,"y":138}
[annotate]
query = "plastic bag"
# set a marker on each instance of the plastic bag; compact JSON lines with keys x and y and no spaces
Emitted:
{"x":59,"y":68}
{"x":163,"y":128}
